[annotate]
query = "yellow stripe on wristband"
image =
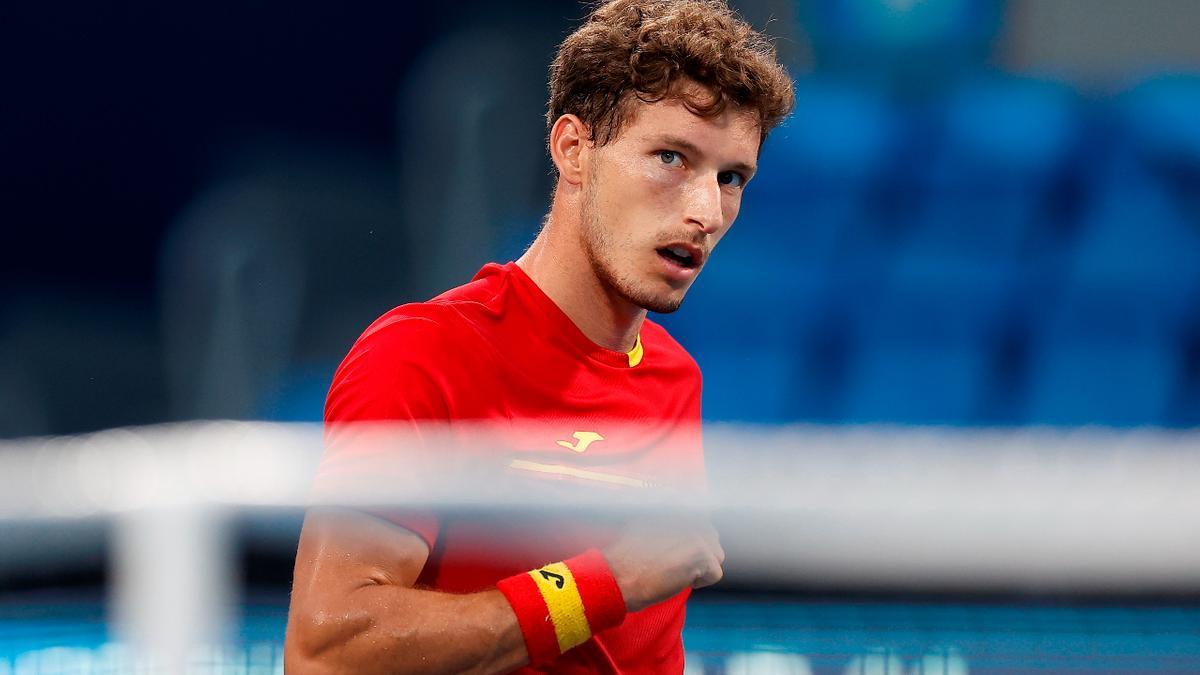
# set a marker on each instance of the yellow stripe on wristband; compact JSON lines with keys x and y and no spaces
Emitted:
{"x":558,"y":589}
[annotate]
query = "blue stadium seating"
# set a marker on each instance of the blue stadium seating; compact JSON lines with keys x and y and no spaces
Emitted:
{"x":1109,"y":350}
{"x":1087,"y":382}
{"x":1161,"y":116}
{"x":917,"y":383}
{"x":1004,"y":144}
{"x":926,"y":347}
{"x":928,"y":344}
{"x":811,"y":198}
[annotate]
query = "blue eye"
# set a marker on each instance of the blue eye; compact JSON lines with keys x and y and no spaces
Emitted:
{"x":670,"y":157}
{"x":731,"y":178}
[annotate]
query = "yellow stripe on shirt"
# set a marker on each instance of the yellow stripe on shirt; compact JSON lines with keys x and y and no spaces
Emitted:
{"x":575,"y":472}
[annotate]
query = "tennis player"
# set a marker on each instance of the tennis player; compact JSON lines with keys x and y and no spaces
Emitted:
{"x":657,"y":112}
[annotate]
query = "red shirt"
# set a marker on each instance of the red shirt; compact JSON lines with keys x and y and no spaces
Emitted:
{"x":567,"y":414}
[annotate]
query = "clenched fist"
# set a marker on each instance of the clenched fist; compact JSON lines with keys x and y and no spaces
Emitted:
{"x":653,"y":561}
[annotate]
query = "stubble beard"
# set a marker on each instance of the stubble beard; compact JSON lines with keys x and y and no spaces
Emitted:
{"x":601,"y":252}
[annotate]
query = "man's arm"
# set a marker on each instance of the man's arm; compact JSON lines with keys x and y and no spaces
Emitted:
{"x":354,"y":608}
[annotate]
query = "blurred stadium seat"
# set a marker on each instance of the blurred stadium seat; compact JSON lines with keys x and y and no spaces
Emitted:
{"x":1110,"y":350}
{"x":923,"y":353}
{"x":927,"y":346}
{"x":1005,"y":143}
{"x":1160,"y":114}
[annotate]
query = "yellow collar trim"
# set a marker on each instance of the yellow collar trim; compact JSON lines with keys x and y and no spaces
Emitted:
{"x":635,"y":354}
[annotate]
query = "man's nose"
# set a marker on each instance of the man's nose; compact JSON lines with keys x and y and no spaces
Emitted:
{"x":704,"y":205}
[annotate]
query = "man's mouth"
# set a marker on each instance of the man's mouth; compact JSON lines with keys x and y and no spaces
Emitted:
{"x":687,"y":257}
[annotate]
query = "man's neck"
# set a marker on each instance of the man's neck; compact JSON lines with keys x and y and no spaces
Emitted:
{"x":558,"y":264}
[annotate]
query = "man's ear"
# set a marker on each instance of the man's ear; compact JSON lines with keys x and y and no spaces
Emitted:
{"x":568,"y":145}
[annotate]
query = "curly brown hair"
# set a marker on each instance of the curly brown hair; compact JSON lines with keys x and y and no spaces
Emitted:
{"x":649,"y":49}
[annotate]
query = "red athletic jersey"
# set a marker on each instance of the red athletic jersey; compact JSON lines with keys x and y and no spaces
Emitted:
{"x":498,"y":350}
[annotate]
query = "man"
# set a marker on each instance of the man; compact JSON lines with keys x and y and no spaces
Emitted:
{"x":657,"y":112}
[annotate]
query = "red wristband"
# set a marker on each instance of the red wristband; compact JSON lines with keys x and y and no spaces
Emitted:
{"x":562,"y":605}
{"x":602,"y":599}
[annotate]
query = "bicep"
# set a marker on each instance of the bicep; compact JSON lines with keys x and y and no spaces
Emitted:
{"x":343,"y":549}
{"x":354,"y":609}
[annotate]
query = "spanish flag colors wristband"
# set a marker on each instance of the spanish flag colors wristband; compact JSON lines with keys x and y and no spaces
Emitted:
{"x":563,"y":604}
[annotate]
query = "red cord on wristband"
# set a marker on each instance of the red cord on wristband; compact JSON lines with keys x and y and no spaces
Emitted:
{"x":562,"y":605}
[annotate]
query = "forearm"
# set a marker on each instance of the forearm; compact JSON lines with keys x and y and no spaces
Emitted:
{"x":379,"y":628}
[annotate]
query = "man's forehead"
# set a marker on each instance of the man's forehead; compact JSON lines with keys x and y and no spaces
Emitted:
{"x":735,"y":129}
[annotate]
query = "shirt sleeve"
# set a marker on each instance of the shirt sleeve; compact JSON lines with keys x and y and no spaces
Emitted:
{"x":387,"y":377}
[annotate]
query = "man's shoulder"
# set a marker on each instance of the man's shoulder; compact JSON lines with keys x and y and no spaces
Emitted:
{"x":409,"y":328}
{"x":420,"y":351}
{"x":446,"y":322}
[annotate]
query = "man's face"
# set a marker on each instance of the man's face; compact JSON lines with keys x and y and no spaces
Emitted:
{"x":659,"y":197}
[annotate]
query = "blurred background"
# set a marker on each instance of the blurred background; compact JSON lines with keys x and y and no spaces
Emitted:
{"x":983,"y":213}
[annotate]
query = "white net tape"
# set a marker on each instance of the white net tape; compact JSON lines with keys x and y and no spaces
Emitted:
{"x":1088,"y":509}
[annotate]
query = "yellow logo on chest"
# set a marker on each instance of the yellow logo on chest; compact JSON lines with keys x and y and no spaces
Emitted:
{"x":583,"y":440}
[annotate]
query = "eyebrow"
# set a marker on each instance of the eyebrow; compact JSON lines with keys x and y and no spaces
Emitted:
{"x":693,"y":149}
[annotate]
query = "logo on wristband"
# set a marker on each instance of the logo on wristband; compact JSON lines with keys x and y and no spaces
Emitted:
{"x":559,"y":580}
